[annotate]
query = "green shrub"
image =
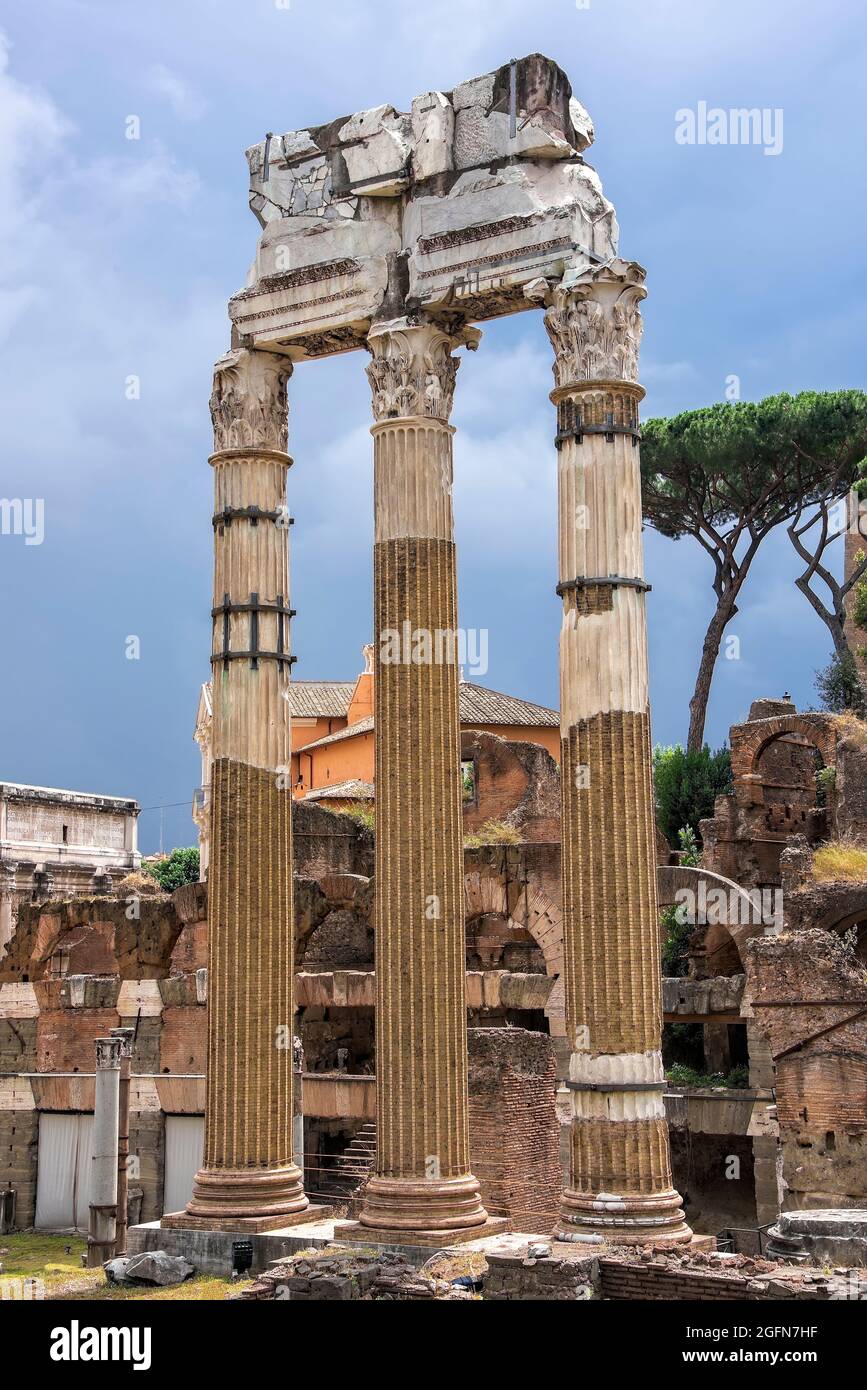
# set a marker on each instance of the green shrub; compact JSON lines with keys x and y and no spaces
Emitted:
{"x":839,"y":686}
{"x":859,"y":607}
{"x":677,"y":934}
{"x":679,"y":1075}
{"x":689,"y":850}
{"x":686,"y":786}
{"x":180,"y":867}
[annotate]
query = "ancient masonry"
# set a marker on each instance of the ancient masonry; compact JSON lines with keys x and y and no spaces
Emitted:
{"x":620,"y":1169}
{"x":393,"y":232}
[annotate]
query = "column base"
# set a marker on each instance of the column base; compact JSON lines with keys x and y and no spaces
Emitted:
{"x":414,"y":1205}
{"x":251,"y":1199}
{"x":634,"y":1219}
{"x":352,"y":1232}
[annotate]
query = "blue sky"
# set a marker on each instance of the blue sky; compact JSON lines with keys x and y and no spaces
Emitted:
{"x":117,"y":258}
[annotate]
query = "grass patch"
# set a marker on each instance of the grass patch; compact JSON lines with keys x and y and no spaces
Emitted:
{"x":201,"y":1288}
{"x":493,"y":832}
{"x":35,"y":1255}
{"x":840,"y":859}
{"x":56,"y":1260}
{"x":365,"y":815}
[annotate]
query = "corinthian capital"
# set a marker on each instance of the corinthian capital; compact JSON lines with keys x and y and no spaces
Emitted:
{"x":412,"y":371}
{"x":248,"y":401}
{"x":594,"y":323}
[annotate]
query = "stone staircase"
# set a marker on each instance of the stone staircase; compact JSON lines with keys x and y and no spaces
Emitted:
{"x":355,"y":1165}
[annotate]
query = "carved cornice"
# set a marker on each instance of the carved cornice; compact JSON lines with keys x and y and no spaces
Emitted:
{"x":248,"y":401}
{"x":412,"y":371}
{"x":594,"y":324}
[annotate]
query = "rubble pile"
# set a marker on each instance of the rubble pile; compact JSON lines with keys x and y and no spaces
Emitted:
{"x":339,"y":1275}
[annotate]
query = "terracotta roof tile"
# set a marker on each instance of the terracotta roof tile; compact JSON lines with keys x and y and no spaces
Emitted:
{"x":320,"y":699}
{"x":352,"y":790}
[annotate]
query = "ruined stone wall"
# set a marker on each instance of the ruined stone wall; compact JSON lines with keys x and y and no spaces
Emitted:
{"x":514,"y":1133}
{"x":850,"y":782}
{"x":326,"y":843}
{"x":809,"y":998}
{"x":776,"y":754}
{"x":515,"y":783}
{"x":93,"y":936}
{"x":19,"y":1139}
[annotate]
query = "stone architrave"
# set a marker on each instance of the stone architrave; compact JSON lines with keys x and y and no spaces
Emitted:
{"x":620,"y":1174}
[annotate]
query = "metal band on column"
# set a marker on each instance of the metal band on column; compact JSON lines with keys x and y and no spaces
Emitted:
{"x":248,"y":1180}
{"x":620,"y":1185}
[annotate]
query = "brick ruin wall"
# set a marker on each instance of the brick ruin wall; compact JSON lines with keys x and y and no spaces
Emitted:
{"x":514,"y":1133}
{"x":809,"y":997}
{"x":145,"y":970}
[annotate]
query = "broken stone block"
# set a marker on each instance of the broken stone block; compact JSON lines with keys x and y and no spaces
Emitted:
{"x":376,"y":146}
{"x":536,"y":139}
{"x":433,"y":133}
{"x":582,"y":125}
{"x":477,"y":91}
{"x":116,"y":1269}
{"x":156,"y":1267}
{"x":480,"y":139}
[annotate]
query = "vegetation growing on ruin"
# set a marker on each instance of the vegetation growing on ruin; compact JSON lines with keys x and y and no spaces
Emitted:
{"x":178,"y":868}
{"x":679,"y":1075}
{"x":859,"y":607}
{"x":493,"y":832}
{"x":143,"y":885}
{"x":840,"y":859}
{"x":360,"y":811}
{"x":690,"y":853}
{"x":686,"y":786}
{"x":677,"y":933}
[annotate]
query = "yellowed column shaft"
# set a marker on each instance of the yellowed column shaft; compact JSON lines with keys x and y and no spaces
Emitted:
{"x":422,"y":1181}
{"x":620,"y":1184}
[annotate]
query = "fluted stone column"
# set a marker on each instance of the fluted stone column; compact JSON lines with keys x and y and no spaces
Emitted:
{"x":422,"y":1180}
{"x":620,"y":1186}
{"x":249,"y":1180}
{"x":102,"y":1227}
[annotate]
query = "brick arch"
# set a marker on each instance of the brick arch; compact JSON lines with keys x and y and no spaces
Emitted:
{"x":671,"y":878}
{"x":752,"y":739}
{"x":488,"y":892}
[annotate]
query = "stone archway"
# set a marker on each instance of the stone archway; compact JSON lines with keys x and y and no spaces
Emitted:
{"x":743,"y":912}
{"x":486,"y":893}
{"x":752,"y":740}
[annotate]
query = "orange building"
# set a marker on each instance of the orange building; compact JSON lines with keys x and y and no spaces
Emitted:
{"x":333,"y":733}
{"x":333,"y":736}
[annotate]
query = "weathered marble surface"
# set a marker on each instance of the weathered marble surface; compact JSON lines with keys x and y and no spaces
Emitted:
{"x":456,"y":205}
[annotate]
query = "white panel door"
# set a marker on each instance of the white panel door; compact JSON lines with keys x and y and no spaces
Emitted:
{"x":63,"y":1172}
{"x":83,"y":1172}
{"x":185,"y":1136}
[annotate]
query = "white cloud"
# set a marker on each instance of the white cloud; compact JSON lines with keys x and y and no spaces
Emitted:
{"x":154,"y":177}
{"x":181,"y":96}
{"x":668,"y":373}
{"x":31,"y":132}
{"x":84,"y":309}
